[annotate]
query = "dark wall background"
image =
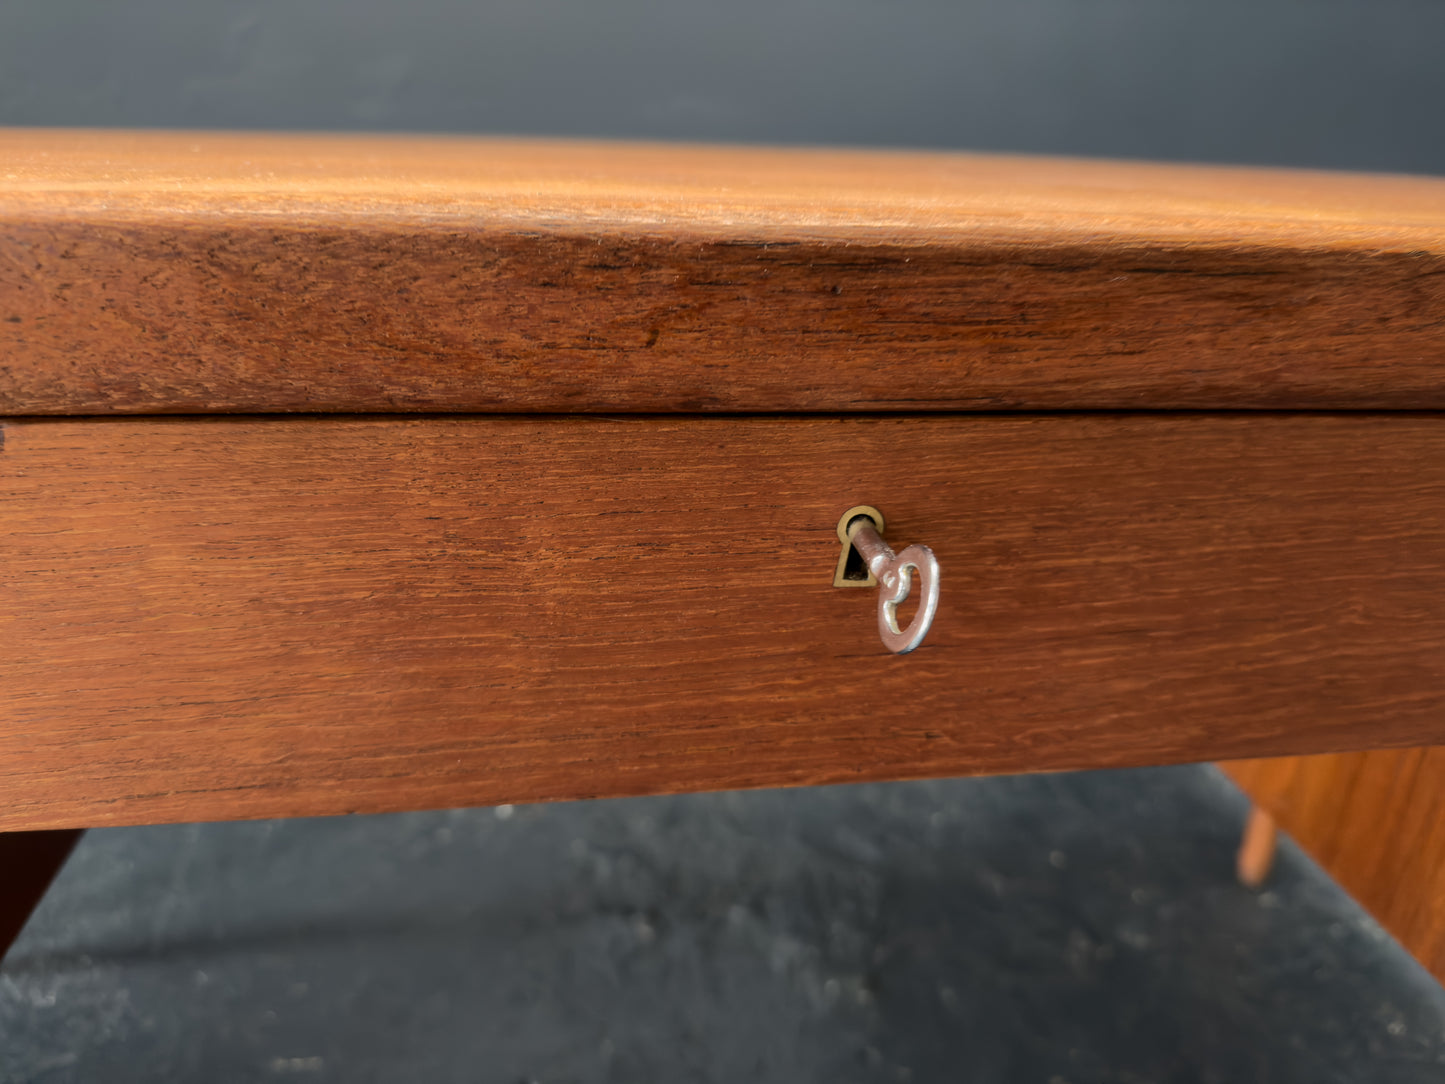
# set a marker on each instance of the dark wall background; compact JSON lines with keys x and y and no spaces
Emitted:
{"x":1332,"y":83}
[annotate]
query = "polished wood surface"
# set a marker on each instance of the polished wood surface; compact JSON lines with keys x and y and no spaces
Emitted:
{"x":1375,"y":821}
{"x":29,"y":861}
{"x":176,"y":272}
{"x":249,"y":617}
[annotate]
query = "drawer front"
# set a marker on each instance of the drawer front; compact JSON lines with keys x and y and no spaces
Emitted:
{"x":233,"y":617}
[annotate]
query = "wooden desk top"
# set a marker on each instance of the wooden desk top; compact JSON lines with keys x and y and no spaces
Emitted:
{"x":183,"y":272}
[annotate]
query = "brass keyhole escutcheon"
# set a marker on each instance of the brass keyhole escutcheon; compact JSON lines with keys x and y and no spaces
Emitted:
{"x":852,"y":570}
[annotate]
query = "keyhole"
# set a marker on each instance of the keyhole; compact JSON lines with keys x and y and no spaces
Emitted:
{"x":854,"y":570}
{"x":851,"y":570}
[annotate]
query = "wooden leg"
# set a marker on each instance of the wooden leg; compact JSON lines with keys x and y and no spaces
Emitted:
{"x":1376,"y":822}
{"x":1256,"y":849}
{"x":29,"y":861}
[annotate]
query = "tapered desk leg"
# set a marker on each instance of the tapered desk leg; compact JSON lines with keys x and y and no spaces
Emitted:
{"x":29,"y":861}
{"x":1256,"y":849}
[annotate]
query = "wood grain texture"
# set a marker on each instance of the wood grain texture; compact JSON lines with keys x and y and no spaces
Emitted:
{"x":174,"y":272}
{"x":242,"y":617}
{"x":1375,"y":821}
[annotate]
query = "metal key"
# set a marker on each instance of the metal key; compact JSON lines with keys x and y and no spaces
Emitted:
{"x":894,"y":572}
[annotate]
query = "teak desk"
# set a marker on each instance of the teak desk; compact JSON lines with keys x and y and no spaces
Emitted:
{"x":356,"y":474}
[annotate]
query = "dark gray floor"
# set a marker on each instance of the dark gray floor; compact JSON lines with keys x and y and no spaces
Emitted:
{"x":1054,"y":929}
